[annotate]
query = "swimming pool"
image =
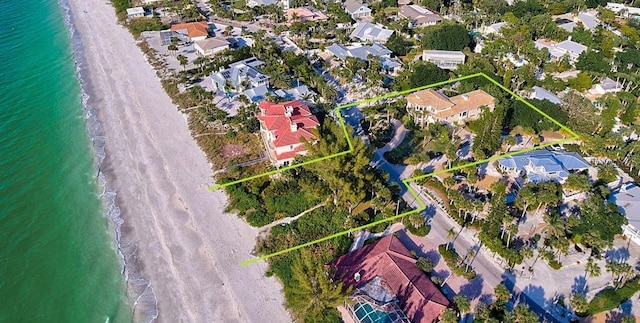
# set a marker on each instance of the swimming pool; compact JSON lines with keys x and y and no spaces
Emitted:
{"x":366,"y":313}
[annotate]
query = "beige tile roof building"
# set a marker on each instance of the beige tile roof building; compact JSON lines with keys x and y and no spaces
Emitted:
{"x":429,"y":106}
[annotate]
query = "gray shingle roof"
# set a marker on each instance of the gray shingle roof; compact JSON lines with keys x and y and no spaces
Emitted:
{"x":553,"y":164}
{"x":628,"y":200}
{"x":352,"y":5}
{"x":543,"y":94}
{"x":367,"y":31}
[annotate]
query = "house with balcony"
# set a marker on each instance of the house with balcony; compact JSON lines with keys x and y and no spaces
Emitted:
{"x":356,"y":9}
{"x":240,"y":76}
{"x":418,"y":16}
{"x":284,"y":128}
{"x":430,"y":106}
{"x":444,"y":59}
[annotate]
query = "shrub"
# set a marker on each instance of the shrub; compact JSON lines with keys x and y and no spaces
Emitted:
{"x":611,"y":298}
{"x":138,"y":25}
{"x":453,"y":261}
{"x":420,"y":231}
{"x":258,"y":218}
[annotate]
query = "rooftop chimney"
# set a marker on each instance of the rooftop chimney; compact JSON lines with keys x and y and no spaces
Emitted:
{"x":294,"y":126}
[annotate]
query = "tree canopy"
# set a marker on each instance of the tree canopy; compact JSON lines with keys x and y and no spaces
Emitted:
{"x":520,"y":114}
{"x":592,"y":61}
{"x":446,"y":37}
{"x":600,"y":221}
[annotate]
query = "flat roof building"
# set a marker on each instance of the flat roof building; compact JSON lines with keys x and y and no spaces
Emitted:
{"x":444,"y":59}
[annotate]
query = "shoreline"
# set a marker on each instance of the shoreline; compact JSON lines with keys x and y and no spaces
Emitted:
{"x":181,"y":252}
{"x":135,"y":284}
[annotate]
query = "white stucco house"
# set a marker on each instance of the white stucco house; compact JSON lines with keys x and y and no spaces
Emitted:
{"x":607,"y":85}
{"x":135,"y":12}
{"x":364,"y":52}
{"x":210,"y":46}
{"x":356,"y":9}
{"x":627,"y":198}
{"x":622,"y":10}
{"x":240,"y":75}
{"x":444,"y":59}
{"x":559,"y":50}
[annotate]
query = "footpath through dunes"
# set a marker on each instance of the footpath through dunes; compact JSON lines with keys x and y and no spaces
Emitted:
{"x":183,"y":243}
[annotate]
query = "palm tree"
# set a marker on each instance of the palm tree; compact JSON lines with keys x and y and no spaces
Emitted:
{"x":183,"y":60}
{"x":462,"y":303}
{"x":620,"y":272}
{"x":526,"y":253}
{"x":200,"y":61}
{"x":592,"y":269}
{"x":554,"y":226}
{"x":470,"y":254}
{"x":579,"y":303}
{"x":506,"y":222}
{"x":522,"y":314}
{"x":501,"y":294}
{"x":311,"y":293}
{"x":451,"y":233}
{"x":448,"y":316}
{"x":511,"y":229}
{"x":172,"y":48}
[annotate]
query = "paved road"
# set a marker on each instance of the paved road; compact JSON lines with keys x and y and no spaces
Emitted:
{"x":491,"y":270}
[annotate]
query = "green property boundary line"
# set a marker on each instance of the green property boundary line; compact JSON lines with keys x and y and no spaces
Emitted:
{"x":405,"y":182}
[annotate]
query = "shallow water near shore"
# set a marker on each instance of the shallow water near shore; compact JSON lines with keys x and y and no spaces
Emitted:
{"x":58,"y":257}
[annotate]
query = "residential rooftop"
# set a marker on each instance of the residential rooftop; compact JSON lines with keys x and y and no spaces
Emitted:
{"x":390,"y":262}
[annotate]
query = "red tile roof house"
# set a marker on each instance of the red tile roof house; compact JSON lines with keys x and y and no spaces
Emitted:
{"x":194,"y":30}
{"x":285,"y":126}
{"x":388,"y":265}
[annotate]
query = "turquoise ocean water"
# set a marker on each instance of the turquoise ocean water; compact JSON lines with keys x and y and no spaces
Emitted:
{"x":58,"y":258}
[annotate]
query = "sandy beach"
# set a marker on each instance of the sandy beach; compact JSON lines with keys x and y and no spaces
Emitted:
{"x":183,"y":251}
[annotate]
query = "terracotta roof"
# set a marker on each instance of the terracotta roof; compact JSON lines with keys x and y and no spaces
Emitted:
{"x":305,"y":14}
{"x":468,"y":101}
{"x":446,"y":106}
{"x":429,"y":97}
{"x":275,"y":118}
{"x":194,"y":29}
{"x":390,"y":260}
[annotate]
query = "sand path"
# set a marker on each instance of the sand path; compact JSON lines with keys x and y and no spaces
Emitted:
{"x":186,"y":246}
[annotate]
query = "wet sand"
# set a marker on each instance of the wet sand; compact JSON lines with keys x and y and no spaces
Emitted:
{"x":182,"y":250}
